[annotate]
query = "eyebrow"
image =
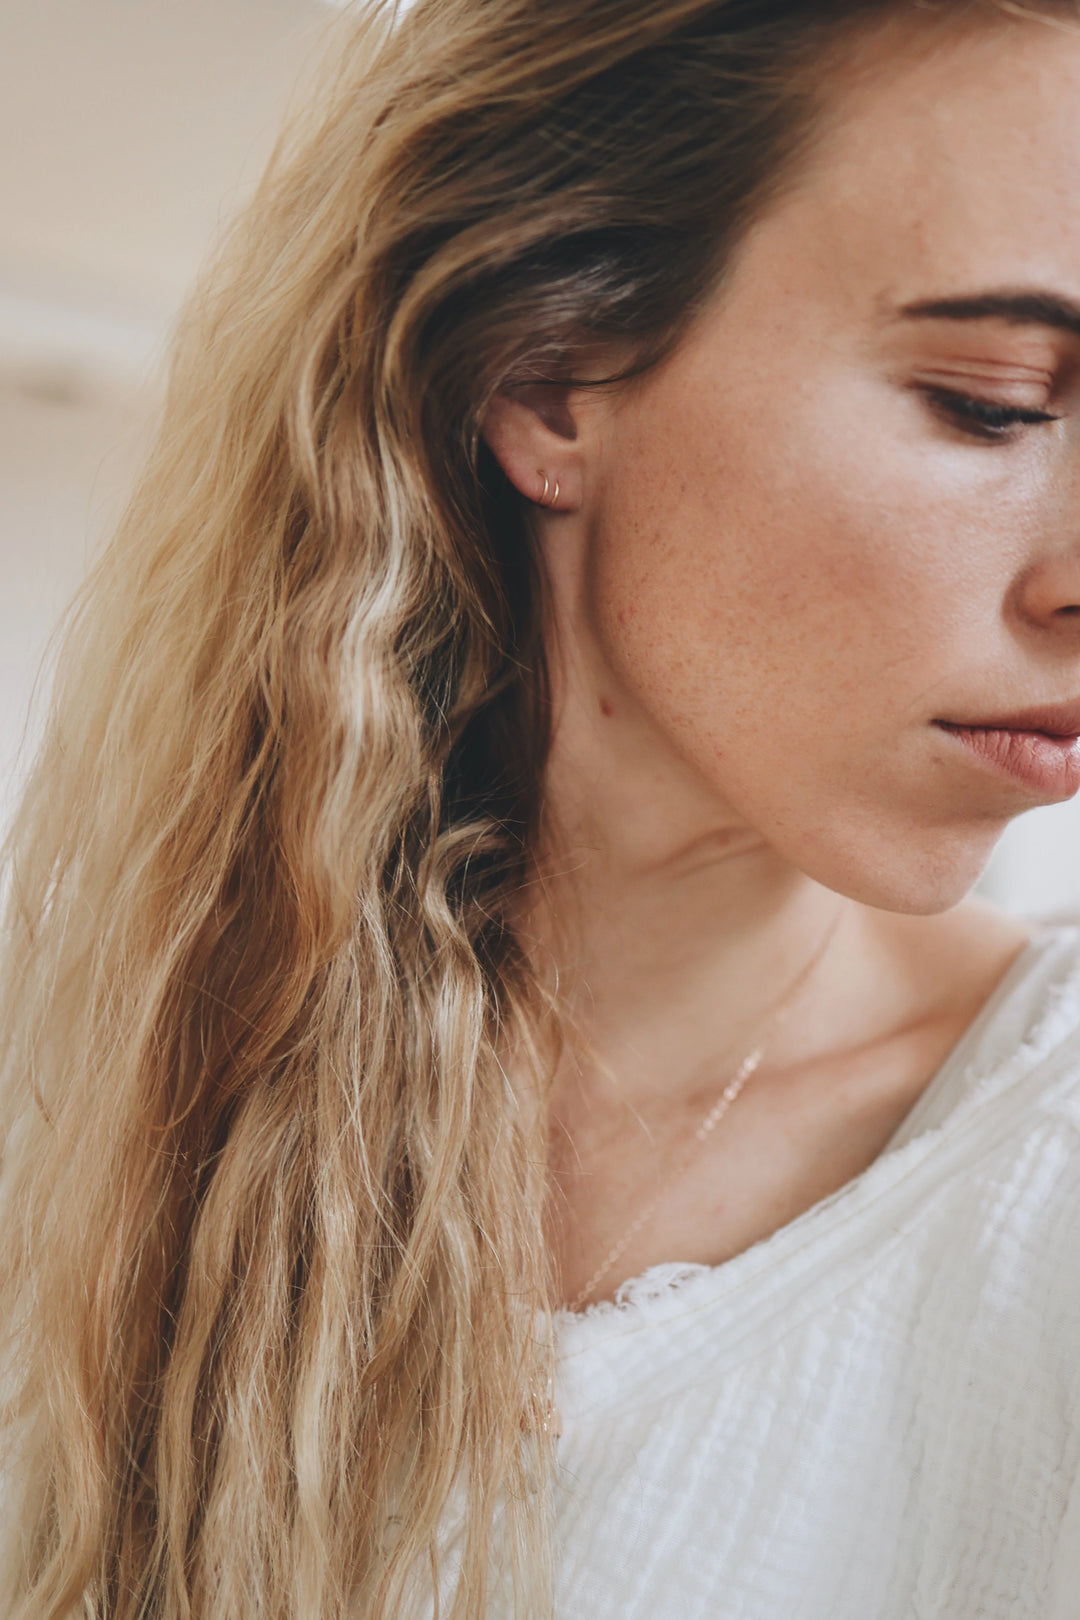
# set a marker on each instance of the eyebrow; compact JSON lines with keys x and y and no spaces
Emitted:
{"x":1020,"y":308}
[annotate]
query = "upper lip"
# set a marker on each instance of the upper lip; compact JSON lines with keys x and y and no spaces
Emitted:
{"x":1053,"y":719}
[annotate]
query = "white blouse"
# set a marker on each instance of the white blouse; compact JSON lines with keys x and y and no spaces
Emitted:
{"x":873,"y":1414}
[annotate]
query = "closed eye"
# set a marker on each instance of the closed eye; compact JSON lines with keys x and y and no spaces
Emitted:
{"x":982,"y":418}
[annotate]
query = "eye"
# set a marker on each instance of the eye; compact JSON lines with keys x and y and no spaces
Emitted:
{"x":982,"y":418}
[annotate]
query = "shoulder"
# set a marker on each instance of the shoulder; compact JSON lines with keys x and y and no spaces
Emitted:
{"x":1016,"y":1074}
{"x":1023,"y":1033}
{"x":1009,"y":1221}
{"x":982,"y":1199}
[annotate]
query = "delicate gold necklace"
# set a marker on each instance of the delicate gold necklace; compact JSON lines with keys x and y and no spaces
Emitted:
{"x":776,"y":1016}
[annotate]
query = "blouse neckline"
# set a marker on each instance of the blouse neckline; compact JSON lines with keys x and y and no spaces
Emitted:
{"x":813,"y":1248}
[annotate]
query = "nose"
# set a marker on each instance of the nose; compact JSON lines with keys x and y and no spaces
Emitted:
{"x":1046,"y":525}
{"x":1049,"y":592}
{"x":1047,"y":589}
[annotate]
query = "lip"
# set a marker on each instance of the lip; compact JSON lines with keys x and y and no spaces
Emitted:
{"x":1038,"y":747}
{"x":1052,"y":719}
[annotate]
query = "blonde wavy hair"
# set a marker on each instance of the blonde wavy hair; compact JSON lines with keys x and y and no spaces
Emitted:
{"x":274,"y":1289}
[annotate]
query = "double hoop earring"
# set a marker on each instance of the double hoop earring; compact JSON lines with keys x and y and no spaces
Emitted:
{"x":550,"y":496}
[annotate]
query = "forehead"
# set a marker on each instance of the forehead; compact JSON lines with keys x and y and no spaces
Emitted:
{"x":947,"y":155}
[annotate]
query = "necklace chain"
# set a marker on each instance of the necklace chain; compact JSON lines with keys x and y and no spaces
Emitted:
{"x":778,"y":1012}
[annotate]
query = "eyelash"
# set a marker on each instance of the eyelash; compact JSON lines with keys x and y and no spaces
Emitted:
{"x":983,"y":419}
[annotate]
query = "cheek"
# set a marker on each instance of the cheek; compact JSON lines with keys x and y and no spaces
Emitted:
{"x":739,"y":577}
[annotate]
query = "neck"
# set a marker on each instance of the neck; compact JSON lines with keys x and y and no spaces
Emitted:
{"x":669,"y":925}
{"x":671,"y":970}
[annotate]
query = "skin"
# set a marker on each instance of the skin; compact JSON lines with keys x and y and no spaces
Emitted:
{"x":775,"y":562}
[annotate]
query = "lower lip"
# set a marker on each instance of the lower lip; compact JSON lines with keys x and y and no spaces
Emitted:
{"x":1050,"y":766}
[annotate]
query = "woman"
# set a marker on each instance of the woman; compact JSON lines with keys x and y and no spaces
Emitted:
{"x":609,"y":572}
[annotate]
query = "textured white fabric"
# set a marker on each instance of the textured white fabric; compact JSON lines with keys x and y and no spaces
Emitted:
{"x":875,"y":1413}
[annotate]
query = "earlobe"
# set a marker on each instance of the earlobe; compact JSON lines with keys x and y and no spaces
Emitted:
{"x":534,"y":439}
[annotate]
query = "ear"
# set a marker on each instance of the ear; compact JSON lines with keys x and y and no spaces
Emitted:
{"x":532,"y":433}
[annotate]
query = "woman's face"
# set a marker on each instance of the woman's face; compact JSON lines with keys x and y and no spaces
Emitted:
{"x":807,"y":546}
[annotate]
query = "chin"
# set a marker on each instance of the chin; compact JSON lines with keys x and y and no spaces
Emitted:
{"x":922,"y":874}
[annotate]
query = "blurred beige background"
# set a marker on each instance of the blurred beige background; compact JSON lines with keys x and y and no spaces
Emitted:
{"x":131,"y":129}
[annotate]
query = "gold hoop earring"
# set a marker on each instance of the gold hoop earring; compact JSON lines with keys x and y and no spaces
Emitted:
{"x":550,"y":496}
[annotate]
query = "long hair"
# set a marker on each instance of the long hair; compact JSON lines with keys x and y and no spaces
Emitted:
{"x":273,"y":1287}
